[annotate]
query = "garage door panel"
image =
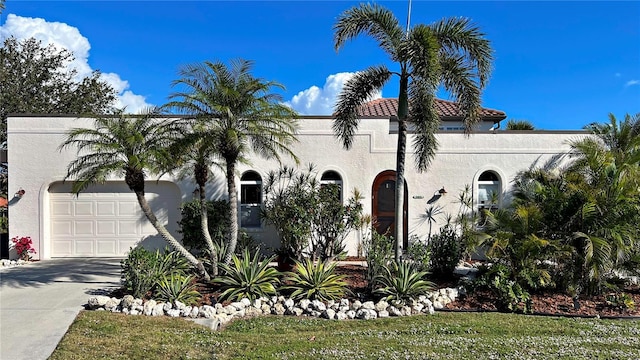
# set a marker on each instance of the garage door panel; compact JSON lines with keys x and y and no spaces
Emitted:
{"x":83,"y":227}
{"x":128,"y":227}
{"x":61,"y":208}
{"x":61,"y":228}
{"x":84,"y":247}
{"x":107,"y":247}
{"x":128,"y":208}
{"x":107,"y":227}
{"x":106,"y":208}
{"x":83,"y":208}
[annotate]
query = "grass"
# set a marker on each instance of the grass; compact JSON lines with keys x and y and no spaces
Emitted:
{"x":102,"y":335}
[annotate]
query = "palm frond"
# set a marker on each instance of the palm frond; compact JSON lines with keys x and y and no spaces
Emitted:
{"x":356,"y":91}
{"x":373,"y":20}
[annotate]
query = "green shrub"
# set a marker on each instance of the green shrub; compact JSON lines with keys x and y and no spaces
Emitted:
{"x":402,"y":282}
{"x":620,"y":301}
{"x":379,"y":252}
{"x":218,"y":222}
{"x":446,"y":251}
{"x":316,"y":281}
{"x":142,"y":270}
{"x":419,"y":253}
{"x":510,"y":295}
{"x":247,"y":277}
{"x":138,"y":274}
{"x":176,"y":286}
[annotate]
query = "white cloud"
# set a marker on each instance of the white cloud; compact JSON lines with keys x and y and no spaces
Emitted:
{"x":320,"y":101}
{"x":68,"y":37}
{"x":631,"y":83}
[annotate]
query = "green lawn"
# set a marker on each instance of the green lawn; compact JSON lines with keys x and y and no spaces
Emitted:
{"x":102,"y":335}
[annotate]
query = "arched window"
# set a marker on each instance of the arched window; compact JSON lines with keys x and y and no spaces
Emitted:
{"x":489,"y":191}
{"x":334,"y":179}
{"x":250,"y":199}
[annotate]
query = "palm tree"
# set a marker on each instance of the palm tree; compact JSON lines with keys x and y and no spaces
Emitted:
{"x":194,"y":154}
{"x":451,"y":52}
{"x":131,"y":146}
{"x":240,"y":115}
{"x":519,"y":125}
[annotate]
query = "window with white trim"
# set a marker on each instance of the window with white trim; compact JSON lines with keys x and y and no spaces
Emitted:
{"x":332,"y":178}
{"x":489,"y":191}
{"x":250,"y":199}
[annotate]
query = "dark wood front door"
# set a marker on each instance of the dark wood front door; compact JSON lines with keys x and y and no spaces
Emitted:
{"x":384,"y":203}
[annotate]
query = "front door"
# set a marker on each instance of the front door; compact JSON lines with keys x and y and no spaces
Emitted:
{"x":384,"y":203}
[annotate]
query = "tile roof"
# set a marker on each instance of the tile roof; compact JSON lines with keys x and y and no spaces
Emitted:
{"x":388,"y":107}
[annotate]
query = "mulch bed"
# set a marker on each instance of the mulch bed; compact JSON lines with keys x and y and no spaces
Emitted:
{"x":543,"y":303}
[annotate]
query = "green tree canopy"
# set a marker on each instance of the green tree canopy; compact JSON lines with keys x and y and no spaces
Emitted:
{"x":35,"y":79}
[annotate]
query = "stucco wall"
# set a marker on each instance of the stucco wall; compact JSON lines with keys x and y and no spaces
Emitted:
{"x":35,"y":162}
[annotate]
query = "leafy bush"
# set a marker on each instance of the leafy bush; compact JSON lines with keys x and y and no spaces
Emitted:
{"x":419,"y":253}
{"x":142,"y":270}
{"x":379,"y":252}
{"x":138,"y":274}
{"x":309,"y":216}
{"x":620,"y":301}
{"x":217,"y":214}
{"x":247,"y":277}
{"x":176,"y":286}
{"x":402,"y":282}
{"x":316,"y":281}
{"x":289,"y":198}
{"x":446,"y":251}
{"x":510,"y":295}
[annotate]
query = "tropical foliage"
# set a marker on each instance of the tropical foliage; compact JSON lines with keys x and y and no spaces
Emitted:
{"x":519,"y":125}
{"x":578,"y":214}
{"x":309,"y":215}
{"x":248,"y":277}
{"x":234,"y":114}
{"x":315,"y":281}
{"x":177,"y":287}
{"x":402,"y":282}
{"x":129,"y":146}
{"x":452,"y":53}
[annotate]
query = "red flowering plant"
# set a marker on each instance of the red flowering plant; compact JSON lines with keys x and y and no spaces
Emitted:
{"x":23,"y":247}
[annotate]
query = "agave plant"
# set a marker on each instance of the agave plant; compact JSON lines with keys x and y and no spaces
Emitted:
{"x":402,"y":282}
{"x":247,"y":277}
{"x":316,"y":281}
{"x":177,"y":287}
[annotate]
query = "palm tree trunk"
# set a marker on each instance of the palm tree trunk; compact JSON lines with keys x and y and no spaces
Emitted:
{"x":204,"y":227}
{"x":403,"y":109}
{"x":232,"y":236}
{"x":146,"y":209}
{"x":201,"y":172}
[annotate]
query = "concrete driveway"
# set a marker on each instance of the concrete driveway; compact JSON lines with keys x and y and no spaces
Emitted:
{"x":40,"y":300}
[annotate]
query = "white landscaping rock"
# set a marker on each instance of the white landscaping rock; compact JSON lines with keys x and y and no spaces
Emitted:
{"x":149,"y":306}
{"x":158,"y":310}
{"x":381,"y":305}
{"x":328,"y":314}
{"x":97,"y":301}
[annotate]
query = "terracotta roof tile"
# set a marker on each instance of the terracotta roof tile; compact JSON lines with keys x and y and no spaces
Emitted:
{"x":387,"y":107}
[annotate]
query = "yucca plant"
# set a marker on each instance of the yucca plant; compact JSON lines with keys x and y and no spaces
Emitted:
{"x":176,"y":286}
{"x":402,"y":282}
{"x":247,"y":277}
{"x":316,"y":281}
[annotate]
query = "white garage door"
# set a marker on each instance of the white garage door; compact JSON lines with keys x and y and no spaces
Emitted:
{"x":106,"y":220}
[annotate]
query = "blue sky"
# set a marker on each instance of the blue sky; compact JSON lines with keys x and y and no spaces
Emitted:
{"x":560,"y":65}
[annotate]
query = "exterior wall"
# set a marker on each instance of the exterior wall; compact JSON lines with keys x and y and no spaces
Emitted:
{"x":35,"y":163}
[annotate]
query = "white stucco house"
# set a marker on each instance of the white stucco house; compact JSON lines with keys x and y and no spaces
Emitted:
{"x":105,"y":220}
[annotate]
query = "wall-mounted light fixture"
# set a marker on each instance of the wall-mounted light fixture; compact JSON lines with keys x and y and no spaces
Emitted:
{"x":196,"y":193}
{"x":19,"y":193}
{"x":441,"y":192}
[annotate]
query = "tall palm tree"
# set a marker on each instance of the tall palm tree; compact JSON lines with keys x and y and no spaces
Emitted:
{"x":241,"y":115}
{"x":132,"y":146}
{"x":194,"y":154}
{"x":451,"y":53}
